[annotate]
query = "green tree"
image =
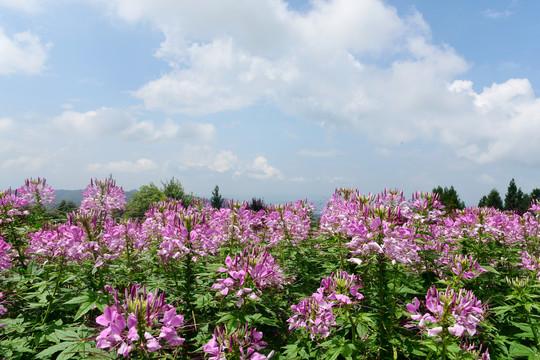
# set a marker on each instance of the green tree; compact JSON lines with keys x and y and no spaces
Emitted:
{"x":60,"y":211}
{"x":139,"y":203}
{"x":173,"y":189}
{"x":511,"y":199}
{"x":449,"y":198}
{"x":216,"y":200}
{"x":515,"y":199}
{"x":535,"y":194}
{"x":493,"y":199}
{"x":256,"y":204}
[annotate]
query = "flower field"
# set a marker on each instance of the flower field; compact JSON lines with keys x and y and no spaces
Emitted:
{"x":378,"y":276}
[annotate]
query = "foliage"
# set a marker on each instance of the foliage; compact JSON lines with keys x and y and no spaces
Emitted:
{"x":173,"y":189}
{"x":493,"y":199}
{"x":380,"y":277}
{"x":216,"y":200}
{"x":515,"y":199}
{"x":140,"y":202}
{"x":256,"y":204}
{"x":449,"y":198}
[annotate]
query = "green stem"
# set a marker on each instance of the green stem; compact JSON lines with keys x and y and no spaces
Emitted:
{"x":383,"y":321}
{"x":56,"y":286}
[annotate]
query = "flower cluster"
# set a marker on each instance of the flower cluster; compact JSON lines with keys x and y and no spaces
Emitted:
{"x":242,"y":343}
{"x":5,"y":255}
{"x":133,"y":323}
{"x":290,"y":222}
{"x":3,"y":310}
{"x":456,"y":312}
{"x":250,"y":273}
{"x":530,"y":262}
{"x":11,"y":205}
{"x":103,"y":196}
{"x":316,"y":314}
{"x":462,"y":266}
{"x":36,"y":192}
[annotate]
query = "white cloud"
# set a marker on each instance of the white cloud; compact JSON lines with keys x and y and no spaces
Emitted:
{"x":486,"y":179}
{"x":6,"y":125}
{"x":503,"y":124}
{"x":494,"y":14}
{"x":124,"y":124}
{"x":23,"y":54}
{"x":298,"y":179}
{"x":223,"y":161}
{"x":318,"y":154}
{"x":260,"y":169}
{"x":204,"y":156}
{"x":124,"y":166}
{"x":25,"y":163}
{"x":344,"y":64}
{"x":28,"y":6}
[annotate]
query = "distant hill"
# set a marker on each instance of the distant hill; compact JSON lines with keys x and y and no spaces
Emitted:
{"x":76,"y":195}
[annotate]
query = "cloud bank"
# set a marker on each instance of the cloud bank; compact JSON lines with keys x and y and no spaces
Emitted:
{"x":343,"y":64}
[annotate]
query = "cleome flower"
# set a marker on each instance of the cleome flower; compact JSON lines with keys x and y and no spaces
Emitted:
{"x":458,"y":313}
{"x":242,"y":343}
{"x":250,"y":273}
{"x":142,"y":321}
{"x":36,"y":191}
{"x":316,"y":314}
{"x":103,"y":196}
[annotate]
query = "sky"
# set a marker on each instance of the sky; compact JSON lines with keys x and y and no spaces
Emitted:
{"x":277,"y":99}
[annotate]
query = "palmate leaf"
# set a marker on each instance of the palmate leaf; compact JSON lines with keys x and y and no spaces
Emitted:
{"x":517,"y":349}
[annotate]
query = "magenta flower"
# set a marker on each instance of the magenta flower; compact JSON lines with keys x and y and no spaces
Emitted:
{"x":249,"y":274}
{"x":242,"y":343}
{"x":103,"y":196}
{"x":6,"y":255}
{"x":341,"y":288}
{"x":3,"y":310}
{"x":315,"y":315}
{"x":456,"y":312}
{"x":132,"y":324}
{"x":466,"y":267}
{"x":12,"y":206}
{"x":36,"y":192}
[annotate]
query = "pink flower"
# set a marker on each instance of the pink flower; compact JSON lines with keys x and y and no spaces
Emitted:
{"x":459,"y":312}
{"x":242,"y":343}
{"x":142,"y":311}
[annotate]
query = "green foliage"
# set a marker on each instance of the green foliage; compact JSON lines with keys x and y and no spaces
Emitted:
{"x":256,"y":204}
{"x":140,"y":202}
{"x":449,"y":198}
{"x":493,"y":199}
{"x":60,"y":212}
{"x":515,"y":199}
{"x":535,"y":194}
{"x":216,"y":200}
{"x":173,"y":189}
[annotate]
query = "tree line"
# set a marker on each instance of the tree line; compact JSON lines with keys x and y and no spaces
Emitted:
{"x":514,"y":200}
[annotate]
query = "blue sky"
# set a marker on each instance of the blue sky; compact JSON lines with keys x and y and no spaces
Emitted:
{"x":277,"y":99}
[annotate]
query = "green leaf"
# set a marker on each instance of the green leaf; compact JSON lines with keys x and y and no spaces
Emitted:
{"x":78,"y":300}
{"x":53,"y":349}
{"x":84,"y":308}
{"x":490,"y":269}
{"x":517,"y":349}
